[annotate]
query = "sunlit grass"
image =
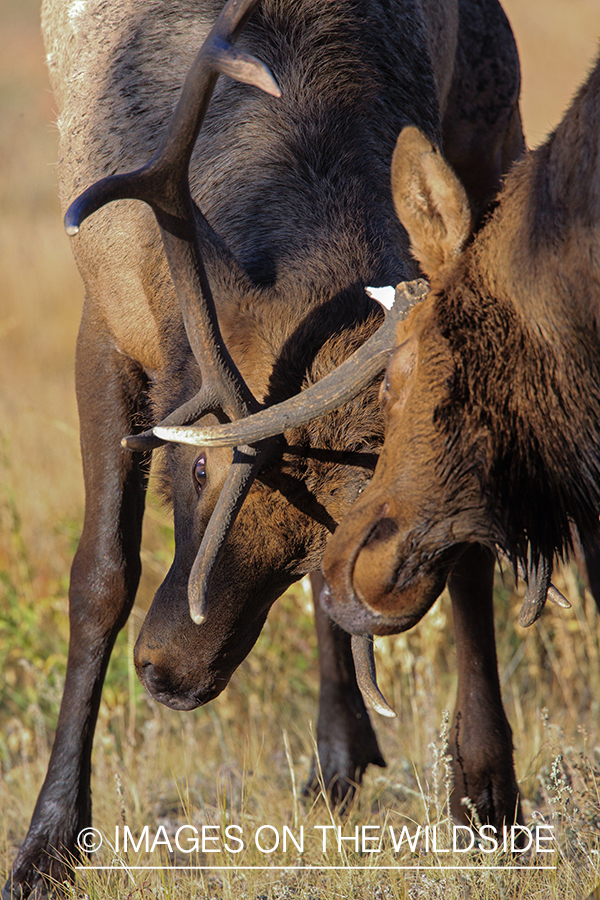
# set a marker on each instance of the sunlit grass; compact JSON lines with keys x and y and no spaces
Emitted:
{"x":243,"y":759}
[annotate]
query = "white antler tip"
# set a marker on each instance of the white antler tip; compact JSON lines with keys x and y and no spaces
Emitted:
{"x":384,"y":295}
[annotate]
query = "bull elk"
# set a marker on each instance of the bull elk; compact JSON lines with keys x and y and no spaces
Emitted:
{"x":237,"y":308}
{"x":492,"y":395}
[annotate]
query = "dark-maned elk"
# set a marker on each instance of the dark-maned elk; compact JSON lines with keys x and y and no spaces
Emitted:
{"x":492,"y":397}
{"x":250,"y":300}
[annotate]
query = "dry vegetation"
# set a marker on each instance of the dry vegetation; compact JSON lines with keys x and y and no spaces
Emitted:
{"x":243,"y":759}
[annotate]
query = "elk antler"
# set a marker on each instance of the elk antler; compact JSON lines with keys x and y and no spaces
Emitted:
{"x":164,"y":184}
{"x":332,"y":391}
{"x":366,"y":676}
{"x":539,"y":589}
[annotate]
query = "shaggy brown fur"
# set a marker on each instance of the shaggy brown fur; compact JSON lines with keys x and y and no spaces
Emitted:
{"x":492,"y":399}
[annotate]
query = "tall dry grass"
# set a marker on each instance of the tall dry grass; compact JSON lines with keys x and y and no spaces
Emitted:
{"x":243,"y":759}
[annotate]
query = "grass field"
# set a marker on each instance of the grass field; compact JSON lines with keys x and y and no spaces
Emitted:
{"x":242,"y":760}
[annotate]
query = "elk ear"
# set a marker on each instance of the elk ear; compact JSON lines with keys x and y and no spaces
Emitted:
{"x":430,"y":201}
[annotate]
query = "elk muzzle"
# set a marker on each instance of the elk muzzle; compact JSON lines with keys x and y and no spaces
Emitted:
{"x":184,"y":665}
{"x":378,"y":582}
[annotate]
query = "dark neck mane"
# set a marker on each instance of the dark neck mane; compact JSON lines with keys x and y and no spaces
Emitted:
{"x":527,"y":418}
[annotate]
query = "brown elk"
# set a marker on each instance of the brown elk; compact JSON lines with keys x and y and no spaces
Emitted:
{"x":492,"y":396}
{"x":296,"y":191}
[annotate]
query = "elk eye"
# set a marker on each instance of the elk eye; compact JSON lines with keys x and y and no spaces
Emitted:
{"x":199,"y":473}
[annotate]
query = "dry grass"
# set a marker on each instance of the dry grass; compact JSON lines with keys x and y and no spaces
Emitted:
{"x":229,"y":762}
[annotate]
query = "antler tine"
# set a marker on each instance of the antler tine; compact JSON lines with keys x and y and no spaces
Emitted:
{"x":247,"y":462}
{"x":184,"y":415}
{"x":538,"y":577}
{"x":331,"y":392}
{"x":363,"y":656}
{"x":539,"y":589}
{"x":366,"y":676}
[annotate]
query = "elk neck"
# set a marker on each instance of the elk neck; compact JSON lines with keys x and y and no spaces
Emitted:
{"x":520,"y":316}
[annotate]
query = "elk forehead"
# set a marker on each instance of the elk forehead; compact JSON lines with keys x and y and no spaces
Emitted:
{"x":416,"y":383}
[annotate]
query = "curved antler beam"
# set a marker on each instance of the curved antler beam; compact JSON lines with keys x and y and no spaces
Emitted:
{"x":332,"y":391}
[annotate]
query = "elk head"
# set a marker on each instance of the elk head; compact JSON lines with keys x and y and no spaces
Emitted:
{"x":387,"y":562}
{"x":187,"y":662}
{"x":429,"y":497}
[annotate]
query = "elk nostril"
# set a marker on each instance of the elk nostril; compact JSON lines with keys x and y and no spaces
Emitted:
{"x":383,"y":530}
{"x":146,"y":671}
{"x":153,"y":679}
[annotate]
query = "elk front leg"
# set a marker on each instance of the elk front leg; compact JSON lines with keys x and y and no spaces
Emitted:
{"x":481,"y":738}
{"x":104,"y":579}
{"x":346,"y":741}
